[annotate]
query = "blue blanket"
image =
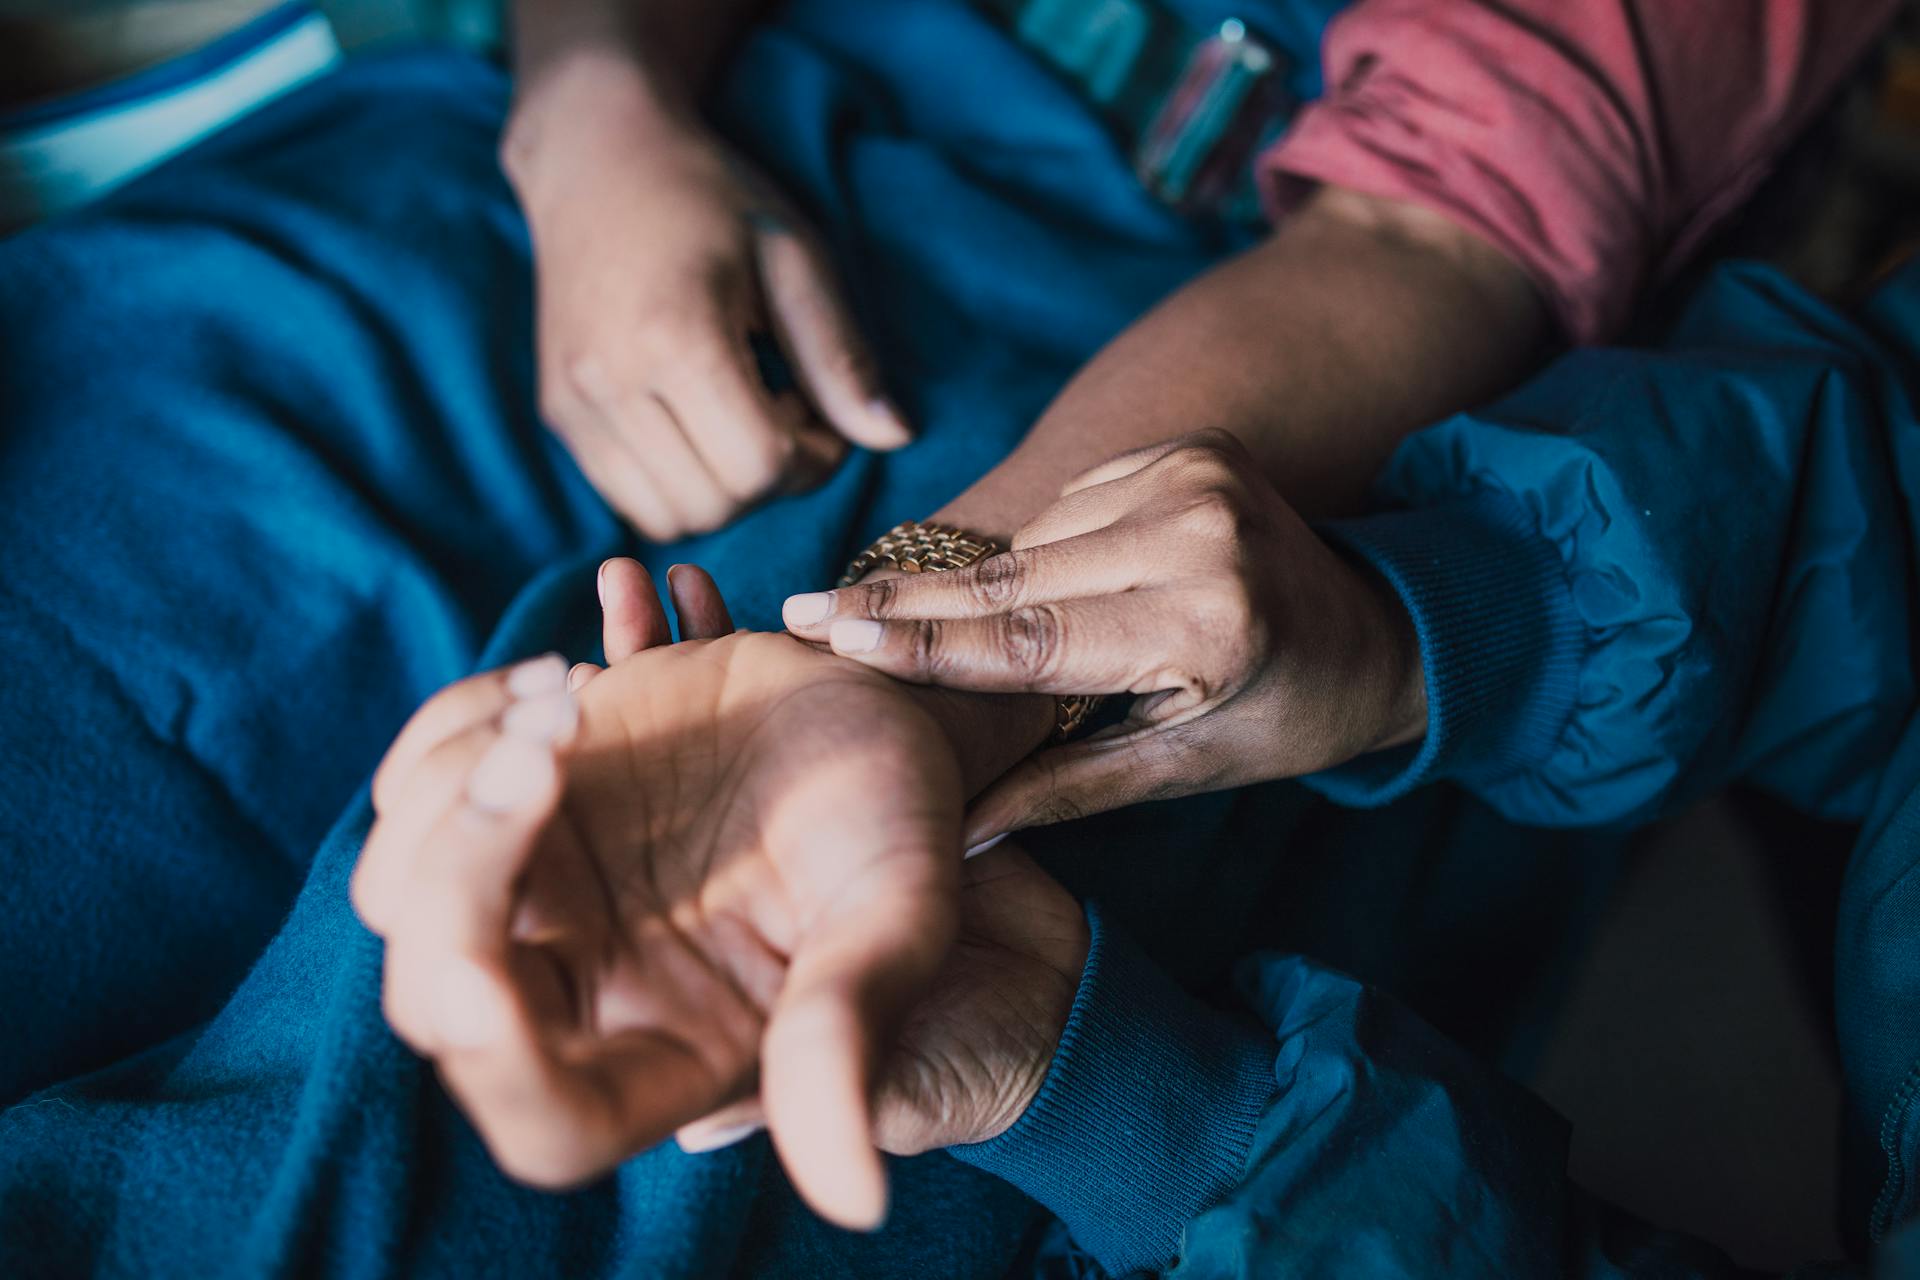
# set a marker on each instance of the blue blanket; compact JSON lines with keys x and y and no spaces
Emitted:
{"x":270,"y":473}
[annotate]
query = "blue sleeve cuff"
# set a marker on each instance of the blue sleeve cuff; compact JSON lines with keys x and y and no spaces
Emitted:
{"x":1499,"y":637}
{"x":1146,"y":1116}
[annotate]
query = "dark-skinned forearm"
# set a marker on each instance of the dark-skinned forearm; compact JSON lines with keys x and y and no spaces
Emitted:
{"x":1356,"y":323}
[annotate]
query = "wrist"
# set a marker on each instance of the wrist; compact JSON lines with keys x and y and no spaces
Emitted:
{"x":1401,"y":673}
{"x":1367,"y":655}
{"x":989,"y":732}
{"x":580,"y":101}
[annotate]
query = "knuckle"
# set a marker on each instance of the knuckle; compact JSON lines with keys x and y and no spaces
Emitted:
{"x":1030,"y":640}
{"x":928,"y":652}
{"x":758,"y":473}
{"x":582,"y":380}
{"x":774,"y":454}
{"x":877,"y":599}
{"x":1060,"y":802}
{"x":996,"y":582}
{"x":1204,"y":464}
{"x":1233,"y":636}
{"x":1213,"y":513}
{"x":1218,"y":441}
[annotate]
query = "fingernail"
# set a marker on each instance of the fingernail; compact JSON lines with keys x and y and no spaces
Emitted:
{"x":805,"y":610}
{"x":549,"y":718}
{"x":854,"y":635}
{"x":544,"y":674}
{"x":715,"y":1139}
{"x":469,"y":1010}
{"x":600,"y":582}
{"x":985,"y":845}
{"x":581,"y":673}
{"x":512,"y":773}
{"x":883,"y":408}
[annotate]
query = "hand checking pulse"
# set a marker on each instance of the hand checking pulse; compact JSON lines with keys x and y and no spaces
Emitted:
{"x":1174,"y":573}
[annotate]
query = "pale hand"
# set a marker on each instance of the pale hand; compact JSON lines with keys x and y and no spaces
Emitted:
{"x":660,"y":257}
{"x":719,"y":870}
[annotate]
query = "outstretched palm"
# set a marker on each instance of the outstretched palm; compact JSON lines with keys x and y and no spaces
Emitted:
{"x":742,"y":858}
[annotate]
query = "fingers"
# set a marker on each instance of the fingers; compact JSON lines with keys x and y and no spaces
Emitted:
{"x":458,"y":707}
{"x":748,"y":441}
{"x":631,"y":618}
{"x":823,"y":343}
{"x":852,"y":978}
{"x":1110,"y":770}
{"x":1137,"y":459}
{"x":1096,"y":508}
{"x":556,"y":1118}
{"x":613,"y":470}
{"x":723,"y":1128}
{"x":698,"y":604}
{"x":452,"y":880}
{"x":1109,"y":644}
{"x":1085,"y":566}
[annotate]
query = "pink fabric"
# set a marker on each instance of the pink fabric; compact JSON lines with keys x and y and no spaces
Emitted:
{"x":1597,"y":142}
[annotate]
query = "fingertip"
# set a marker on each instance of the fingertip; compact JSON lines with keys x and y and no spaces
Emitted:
{"x":816,"y":1096}
{"x":862,"y":1207}
{"x":698,"y":1140}
{"x":985,"y":845}
{"x":536,"y":676}
{"x":886,"y":427}
{"x":697,"y":601}
{"x":853,"y":637}
{"x":581,"y":673}
{"x":806,"y":610}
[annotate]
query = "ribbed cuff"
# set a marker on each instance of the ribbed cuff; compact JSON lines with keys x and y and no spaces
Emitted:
{"x":1499,"y":640}
{"x":1146,"y":1116}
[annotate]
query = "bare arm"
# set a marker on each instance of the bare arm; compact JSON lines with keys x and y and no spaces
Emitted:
{"x":1357,"y":322}
{"x":648,"y":60}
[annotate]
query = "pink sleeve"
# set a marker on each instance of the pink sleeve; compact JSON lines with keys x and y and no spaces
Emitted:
{"x":1596,"y":142}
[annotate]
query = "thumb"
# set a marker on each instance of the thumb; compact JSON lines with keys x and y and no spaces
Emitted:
{"x":852,"y":979}
{"x":830,"y":357}
{"x":1121,"y":766}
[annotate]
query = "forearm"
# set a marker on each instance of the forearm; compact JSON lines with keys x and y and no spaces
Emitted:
{"x":641,"y":62}
{"x":1357,"y":322}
